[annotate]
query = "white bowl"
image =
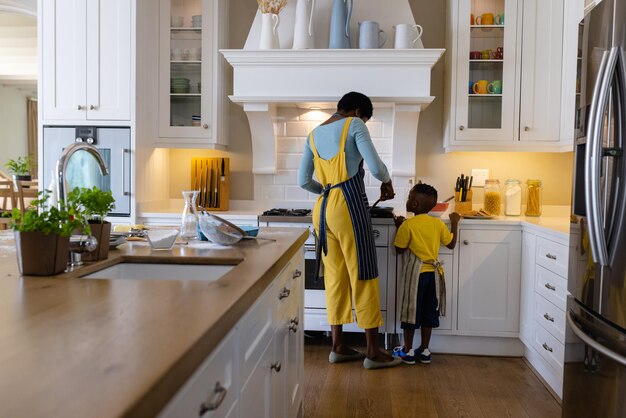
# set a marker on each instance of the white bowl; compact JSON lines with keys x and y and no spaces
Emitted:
{"x":162,"y":239}
{"x":436,"y":214}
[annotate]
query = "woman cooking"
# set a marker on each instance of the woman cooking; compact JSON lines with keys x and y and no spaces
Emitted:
{"x":335,"y":152}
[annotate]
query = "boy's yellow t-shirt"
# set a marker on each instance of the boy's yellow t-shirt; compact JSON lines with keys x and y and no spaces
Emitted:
{"x":423,"y":234}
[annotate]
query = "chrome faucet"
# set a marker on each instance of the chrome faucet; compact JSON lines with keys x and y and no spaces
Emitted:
{"x":62,"y":166}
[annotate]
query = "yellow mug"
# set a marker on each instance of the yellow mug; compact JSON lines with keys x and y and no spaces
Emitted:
{"x":485,"y":19}
{"x":480,"y":87}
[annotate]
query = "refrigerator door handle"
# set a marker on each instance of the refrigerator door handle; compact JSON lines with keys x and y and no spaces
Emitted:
{"x":593,"y":343}
{"x":593,"y":156}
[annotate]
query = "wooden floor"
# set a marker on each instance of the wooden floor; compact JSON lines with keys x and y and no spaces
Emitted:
{"x":451,"y":386}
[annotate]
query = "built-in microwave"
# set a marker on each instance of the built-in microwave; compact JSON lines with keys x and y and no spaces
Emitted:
{"x":113,"y":143}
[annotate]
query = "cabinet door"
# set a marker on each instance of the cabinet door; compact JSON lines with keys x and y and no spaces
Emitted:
{"x":542,"y":57}
{"x":527,"y":288}
{"x":109,"y":49}
{"x":489,"y":281}
{"x":256,"y":393}
{"x":485,"y":70}
{"x":186,"y":66}
{"x":63,"y":55}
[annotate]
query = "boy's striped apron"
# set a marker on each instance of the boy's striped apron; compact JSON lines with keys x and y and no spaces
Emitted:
{"x":409,"y":278}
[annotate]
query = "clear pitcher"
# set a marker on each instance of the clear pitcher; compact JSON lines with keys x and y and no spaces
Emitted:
{"x":189,"y":223}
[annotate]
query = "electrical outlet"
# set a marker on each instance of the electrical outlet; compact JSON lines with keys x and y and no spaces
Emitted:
{"x":479,"y":176}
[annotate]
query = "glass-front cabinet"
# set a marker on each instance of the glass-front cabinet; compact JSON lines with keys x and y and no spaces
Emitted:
{"x":191,"y":87}
{"x":485,"y":91}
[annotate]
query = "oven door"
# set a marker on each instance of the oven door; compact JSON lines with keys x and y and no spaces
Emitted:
{"x":314,"y":296}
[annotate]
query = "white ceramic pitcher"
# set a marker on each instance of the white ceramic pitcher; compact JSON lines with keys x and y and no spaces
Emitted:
{"x":303,"y":28}
{"x":371,"y":35}
{"x":408,"y":36}
{"x":269,"y":31}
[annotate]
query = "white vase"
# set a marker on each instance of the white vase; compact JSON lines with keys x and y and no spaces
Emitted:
{"x":303,"y":29}
{"x":269,"y":31}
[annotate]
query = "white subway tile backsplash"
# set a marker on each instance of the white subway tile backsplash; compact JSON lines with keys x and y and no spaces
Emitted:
{"x":292,"y":161}
{"x":285,"y":177}
{"x":287,"y":145}
{"x":263,"y":179}
{"x":375,"y":128}
{"x":296,"y":193}
{"x":297,"y":128}
{"x":383,"y":146}
{"x":273,"y":192}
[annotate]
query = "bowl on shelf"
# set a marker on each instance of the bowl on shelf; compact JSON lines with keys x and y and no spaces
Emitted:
{"x":439,"y":209}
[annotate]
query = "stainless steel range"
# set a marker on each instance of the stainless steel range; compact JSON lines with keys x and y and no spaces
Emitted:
{"x":314,"y":297}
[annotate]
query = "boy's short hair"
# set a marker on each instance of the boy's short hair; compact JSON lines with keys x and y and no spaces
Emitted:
{"x":425,"y":189}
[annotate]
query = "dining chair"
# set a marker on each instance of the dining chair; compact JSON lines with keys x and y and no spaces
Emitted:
{"x":7,"y":199}
{"x":26,"y":191}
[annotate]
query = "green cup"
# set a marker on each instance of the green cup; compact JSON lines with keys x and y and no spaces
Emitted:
{"x":495,"y":87}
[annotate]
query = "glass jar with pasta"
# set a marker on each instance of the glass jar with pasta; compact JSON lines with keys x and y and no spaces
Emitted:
{"x":533,"y":198}
{"x":492,"y":196}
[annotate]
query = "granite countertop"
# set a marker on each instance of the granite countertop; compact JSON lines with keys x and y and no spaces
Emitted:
{"x":75,"y":347}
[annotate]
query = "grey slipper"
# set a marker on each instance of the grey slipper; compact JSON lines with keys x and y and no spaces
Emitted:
{"x":371,"y":364}
{"x":341,"y":358}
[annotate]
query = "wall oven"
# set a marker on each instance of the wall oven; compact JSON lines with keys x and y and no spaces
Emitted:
{"x":82,"y":169}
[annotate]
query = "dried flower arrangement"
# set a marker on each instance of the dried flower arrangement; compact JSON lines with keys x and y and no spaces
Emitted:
{"x":271,"y":6}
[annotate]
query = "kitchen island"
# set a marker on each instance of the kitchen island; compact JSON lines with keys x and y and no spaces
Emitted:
{"x":75,"y":347}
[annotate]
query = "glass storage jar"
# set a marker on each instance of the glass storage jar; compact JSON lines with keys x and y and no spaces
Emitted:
{"x":492,"y":196}
{"x":533,"y":198}
{"x":512,"y":197}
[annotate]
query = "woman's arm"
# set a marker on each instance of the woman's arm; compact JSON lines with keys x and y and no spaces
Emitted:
{"x":305,"y":172}
{"x":366,"y":148}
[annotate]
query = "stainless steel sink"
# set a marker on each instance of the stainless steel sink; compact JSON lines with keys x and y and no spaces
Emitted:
{"x":156,"y":271}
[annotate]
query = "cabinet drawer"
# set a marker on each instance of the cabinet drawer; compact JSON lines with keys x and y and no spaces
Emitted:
{"x":211,"y":388}
{"x":289,"y":284}
{"x":381,"y":235}
{"x":551,"y":317}
{"x":551,"y":286}
{"x":255,"y":331}
{"x":552,"y":256}
{"x":548,"y":347}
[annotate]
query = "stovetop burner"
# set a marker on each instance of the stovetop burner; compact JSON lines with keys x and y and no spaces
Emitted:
{"x":287,"y":212}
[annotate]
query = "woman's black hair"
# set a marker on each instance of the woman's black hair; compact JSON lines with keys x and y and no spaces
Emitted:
{"x":425,"y":189}
{"x":353,"y":101}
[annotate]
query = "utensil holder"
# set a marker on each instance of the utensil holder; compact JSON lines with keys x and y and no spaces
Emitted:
{"x":212,"y":177}
{"x":463,"y":206}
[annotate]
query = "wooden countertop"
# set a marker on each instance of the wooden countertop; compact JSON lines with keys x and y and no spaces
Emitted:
{"x":72,"y":347}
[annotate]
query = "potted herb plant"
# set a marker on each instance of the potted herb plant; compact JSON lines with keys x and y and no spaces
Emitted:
{"x":96,"y":204}
{"x":42,"y":235}
{"x":20,"y":168}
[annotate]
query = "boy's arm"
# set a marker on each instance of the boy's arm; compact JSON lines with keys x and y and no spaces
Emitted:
{"x":454,"y":226}
{"x":400,"y":234}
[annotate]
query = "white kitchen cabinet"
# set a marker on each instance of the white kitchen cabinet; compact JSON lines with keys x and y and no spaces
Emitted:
{"x":191,"y":84}
{"x":447,"y":258}
{"x":526,"y":113}
{"x":87,"y":49}
{"x":489,"y":282}
{"x":527,"y":288}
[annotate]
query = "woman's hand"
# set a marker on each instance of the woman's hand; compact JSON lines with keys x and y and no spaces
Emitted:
{"x":386,"y":191}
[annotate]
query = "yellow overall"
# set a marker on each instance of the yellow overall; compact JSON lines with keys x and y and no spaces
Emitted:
{"x":349,"y":271}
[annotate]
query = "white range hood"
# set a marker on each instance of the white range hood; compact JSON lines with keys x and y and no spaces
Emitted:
{"x":265,"y":79}
{"x":317,"y":78}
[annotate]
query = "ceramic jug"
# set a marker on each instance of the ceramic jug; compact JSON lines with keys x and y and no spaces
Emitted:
{"x":303,"y":28}
{"x":407,"y":35}
{"x":371,"y":35}
{"x":340,"y":24}
{"x":269,"y":31}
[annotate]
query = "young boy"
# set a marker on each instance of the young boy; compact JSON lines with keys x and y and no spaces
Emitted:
{"x":423,"y":297}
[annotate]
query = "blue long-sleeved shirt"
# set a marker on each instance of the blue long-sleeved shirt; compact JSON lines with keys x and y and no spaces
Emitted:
{"x":359,"y":147}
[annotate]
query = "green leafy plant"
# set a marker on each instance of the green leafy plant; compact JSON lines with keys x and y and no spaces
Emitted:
{"x":96,"y":204}
{"x":42,"y":217}
{"x":20,"y":166}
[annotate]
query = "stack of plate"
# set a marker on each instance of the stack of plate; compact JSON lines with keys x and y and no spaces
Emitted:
{"x":180,"y":85}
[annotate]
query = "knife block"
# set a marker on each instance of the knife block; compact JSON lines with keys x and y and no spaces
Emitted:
{"x":211,"y":176}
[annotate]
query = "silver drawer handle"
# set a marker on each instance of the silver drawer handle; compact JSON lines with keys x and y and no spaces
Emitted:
{"x":548,"y":317}
{"x":293,"y":328}
{"x":549,"y":286}
{"x":275,"y":366}
{"x":80,"y":107}
{"x":550,"y":256}
{"x":376,"y":233}
{"x":547,"y":347}
{"x":296,"y":274}
{"x":465,"y":242}
{"x":208,"y":405}
{"x":92,"y":107}
{"x":296,"y":320}
{"x":284,"y":293}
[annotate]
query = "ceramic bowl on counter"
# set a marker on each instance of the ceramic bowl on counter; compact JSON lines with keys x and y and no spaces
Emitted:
{"x":162,"y":239}
{"x":439,"y":209}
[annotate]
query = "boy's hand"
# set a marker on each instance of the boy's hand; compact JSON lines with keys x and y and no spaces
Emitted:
{"x":454,"y":217}
{"x":398,"y":220}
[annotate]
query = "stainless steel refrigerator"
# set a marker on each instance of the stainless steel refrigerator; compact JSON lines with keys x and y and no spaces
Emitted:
{"x":595,"y":351}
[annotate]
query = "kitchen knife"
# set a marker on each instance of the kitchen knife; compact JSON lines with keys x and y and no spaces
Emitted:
{"x":209,"y":186}
{"x":223,"y":178}
{"x":217,"y":183}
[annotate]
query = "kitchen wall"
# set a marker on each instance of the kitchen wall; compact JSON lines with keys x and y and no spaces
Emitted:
{"x":13,"y":139}
{"x":432,"y":164}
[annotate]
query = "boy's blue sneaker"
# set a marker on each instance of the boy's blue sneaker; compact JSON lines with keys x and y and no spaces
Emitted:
{"x":424,"y":356}
{"x":407,"y":357}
